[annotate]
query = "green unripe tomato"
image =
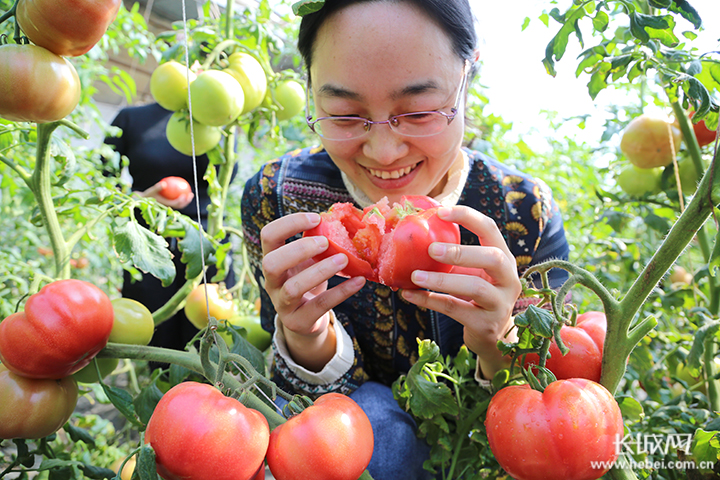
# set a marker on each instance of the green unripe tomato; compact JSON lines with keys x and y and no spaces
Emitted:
{"x":290,"y":97}
{"x":178,"y":134}
{"x":88,"y":374}
{"x":251,"y":77}
{"x":217,"y":98}
{"x":169,"y":85}
{"x":638,"y":182}
{"x":133,"y":322}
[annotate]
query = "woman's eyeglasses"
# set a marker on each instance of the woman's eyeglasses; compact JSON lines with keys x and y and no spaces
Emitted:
{"x":413,"y":124}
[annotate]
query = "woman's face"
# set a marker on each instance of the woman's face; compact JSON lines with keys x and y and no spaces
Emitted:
{"x":378,"y":59}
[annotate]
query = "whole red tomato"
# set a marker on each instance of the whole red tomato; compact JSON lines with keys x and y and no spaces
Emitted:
{"x":585,"y":343}
{"x":34,"y":408}
{"x":68,"y":28}
{"x":386,"y":244}
{"x":704,"y":135}
{"x":63,"y":327}
{"x":330,"y":440}
{"x":173,"y":187}
{"x":199,"y":433}
{"x":558,"y":434}
{"x":36,"y":85}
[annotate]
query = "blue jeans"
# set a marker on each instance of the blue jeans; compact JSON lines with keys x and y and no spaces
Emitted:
{"x":398,"y":454}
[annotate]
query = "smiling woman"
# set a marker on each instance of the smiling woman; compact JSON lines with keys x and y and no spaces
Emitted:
{"x":389,"y":110}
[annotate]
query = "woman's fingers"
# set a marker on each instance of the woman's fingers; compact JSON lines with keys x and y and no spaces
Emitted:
{"x":274,"y":234}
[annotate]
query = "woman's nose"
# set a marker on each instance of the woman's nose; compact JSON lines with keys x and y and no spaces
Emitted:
{"x":384,"y":145}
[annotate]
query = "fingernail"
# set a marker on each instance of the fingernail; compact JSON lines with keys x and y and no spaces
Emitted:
{"x":313,"y":218}
{"x":443,"y":212}
{"x":419,"y":276}
{"x":340,"y":259}
{"x":409,"y":294}
{"x":321,"y":241}
{"x":437,"y":249}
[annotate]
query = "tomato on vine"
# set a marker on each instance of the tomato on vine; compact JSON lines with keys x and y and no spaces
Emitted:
{"x":69,"y":28}
{"x":62,"y":328}
{"x":251,"y":77}
{"x":218,"y":305}
{"x":569,"y":431}
{"x":34,"y":408}
{"x":204,"y":137}
{"x":199,"y":433}
{"x":36,"y":85}
{"x":330,"y":440}
{"x":169,"y":85}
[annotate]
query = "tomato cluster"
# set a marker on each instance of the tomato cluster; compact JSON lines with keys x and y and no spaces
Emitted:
{"x":197,"y":432}
{"x":386,"y":243}
{"x":217,"y":97}
{"x":36,"y":83}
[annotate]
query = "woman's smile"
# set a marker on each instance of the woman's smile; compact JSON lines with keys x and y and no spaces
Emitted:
{"x":391,"y":174}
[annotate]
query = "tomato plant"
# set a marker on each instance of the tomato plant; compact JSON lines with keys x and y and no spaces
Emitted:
{"x":169,"y":85}
{"x":585,"y":343}
{"x":34,"y":408}
{"x":88,"y":374}
{"x":558,"y":433}
{"x":386,"y":244}
{"x":173,"y":187}
{"x":218,"y":305}
{"x":289,"y":96}
{"x":133,"y":322}
{"x":127,"y":470}
{"x":638,"y":182}
{"x":330,"y":440}
{"x":68,"y":28}
{"x":63,"y":327}
{"x":199,"y":433}
{"x":204,"y":137}
{"x":217,"y":98}
{"x":646,"y":141}
{"x":251,"y":77}
{"x":36,"y":85}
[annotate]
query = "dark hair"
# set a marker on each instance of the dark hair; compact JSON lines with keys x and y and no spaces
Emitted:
{"x":455,"y":17}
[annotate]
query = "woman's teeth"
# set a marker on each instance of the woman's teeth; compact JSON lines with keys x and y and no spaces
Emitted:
{"x":386,"y":175}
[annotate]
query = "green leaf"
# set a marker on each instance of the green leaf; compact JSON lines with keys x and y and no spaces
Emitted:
{"x":196,"y":250}
{"x":146,"y":251}
{"x":123,"y":401}
{"x":79,"y":434}
{"x":631,"y":409}
{"x":704,"y":446}
{"x":687,"y":12}
{"x":525,"y":24}
{"x":146,"y":402}
{"x":305,"y":7}
{"x":598,"y":80}
{"x":647,"y":27}
{"x":698,"y":346}
{"x":64,"y":155}
{"x":600,"y":21}
{"x":96,"y":473}
{"x":539,"y":320}
{"x":660,"y":3}
{"x":146,"y":468}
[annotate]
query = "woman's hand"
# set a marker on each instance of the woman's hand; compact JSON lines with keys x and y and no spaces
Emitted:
{"x":297,"y":286}
{"x":480,"y":292}
{"x":178,"y":203}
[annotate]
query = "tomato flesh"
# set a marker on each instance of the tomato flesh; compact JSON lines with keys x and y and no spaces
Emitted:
{"x":384,"y":243}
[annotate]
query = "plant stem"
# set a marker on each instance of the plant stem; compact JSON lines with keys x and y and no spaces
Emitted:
{"x":215,"y":218}
{"x":176,"y":302}
{"x":41,"y":189}
{"x":710,"y":371}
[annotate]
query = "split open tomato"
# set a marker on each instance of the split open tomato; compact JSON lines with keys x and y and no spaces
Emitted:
{"x":384,"y":243}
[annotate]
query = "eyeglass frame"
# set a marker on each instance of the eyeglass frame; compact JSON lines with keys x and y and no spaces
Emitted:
{"x":369,"y":123}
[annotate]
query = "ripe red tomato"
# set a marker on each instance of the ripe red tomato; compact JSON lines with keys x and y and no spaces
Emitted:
{"x":173,"y":187}
{"x":36,"y":85}
{"x":199,"y":433}
{"x":585,"y":341}
{"x":63,"y":327}
{"x":704,"y":135}
{"x":68,"y":28}
{"x":330,"y":440}
{"x":386,"y":244}
{"x":34,"y":408}
{"x":559,"y":433}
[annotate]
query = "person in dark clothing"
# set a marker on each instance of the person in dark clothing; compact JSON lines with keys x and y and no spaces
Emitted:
{"x":152,"y":158}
